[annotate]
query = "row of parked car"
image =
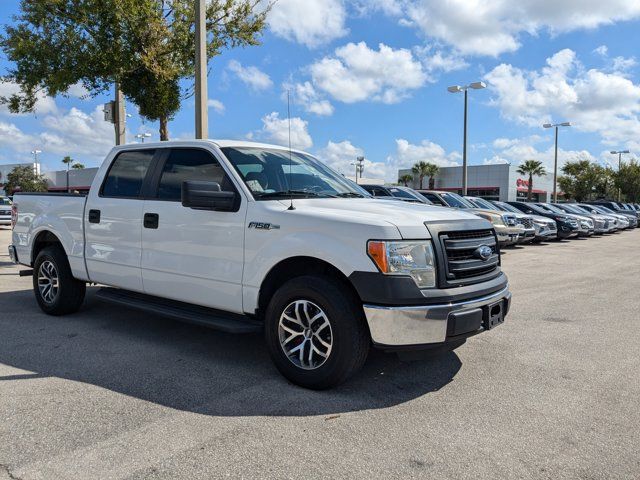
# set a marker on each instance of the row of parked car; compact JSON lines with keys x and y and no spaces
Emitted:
{"x":527,"y":222}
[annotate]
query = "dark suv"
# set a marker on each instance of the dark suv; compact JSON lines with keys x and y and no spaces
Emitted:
{"x":567,"y":224}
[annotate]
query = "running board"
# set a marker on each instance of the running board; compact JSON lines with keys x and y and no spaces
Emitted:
{"x":206,"y":317}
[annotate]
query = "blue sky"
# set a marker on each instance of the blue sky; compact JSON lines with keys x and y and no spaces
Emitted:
{"x":370,"y":77}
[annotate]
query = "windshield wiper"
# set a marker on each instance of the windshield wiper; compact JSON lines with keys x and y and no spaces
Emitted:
{"x":297,"y":193}
{"x":350,"y":194}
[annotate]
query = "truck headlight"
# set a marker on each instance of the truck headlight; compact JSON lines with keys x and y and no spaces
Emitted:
{"x":413,"y":258}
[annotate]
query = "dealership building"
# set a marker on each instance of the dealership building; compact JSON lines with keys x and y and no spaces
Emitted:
{"x":492,"y":182}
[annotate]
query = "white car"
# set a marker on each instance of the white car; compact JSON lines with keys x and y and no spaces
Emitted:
{"x":247,"y":237}
{"x":5,"y":211}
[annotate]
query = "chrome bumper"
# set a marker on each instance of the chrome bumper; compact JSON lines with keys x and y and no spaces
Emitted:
{"x":404,"y":326}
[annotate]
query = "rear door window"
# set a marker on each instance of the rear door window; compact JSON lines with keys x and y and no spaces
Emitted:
{"x":127,"y":173}
{"x":189,"y":164}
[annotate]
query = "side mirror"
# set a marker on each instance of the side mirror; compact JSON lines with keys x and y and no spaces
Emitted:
{"x":202,"y":195}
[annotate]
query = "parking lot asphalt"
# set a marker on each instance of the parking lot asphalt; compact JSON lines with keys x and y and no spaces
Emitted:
{"x":109,"y":393}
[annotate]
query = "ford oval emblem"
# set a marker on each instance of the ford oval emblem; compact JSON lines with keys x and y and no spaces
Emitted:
{"x":483,"y":252}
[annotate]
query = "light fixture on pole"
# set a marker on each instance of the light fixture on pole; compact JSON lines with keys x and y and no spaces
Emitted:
{"x":619,"y":153}
{"x":555,"y":156}
{"x":142,"y":136}
{"x":359,"y":164}
{"x":35,"y":153}
{"x":458,"y":89}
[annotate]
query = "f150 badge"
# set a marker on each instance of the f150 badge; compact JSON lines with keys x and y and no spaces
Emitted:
{"x":264,"y":226}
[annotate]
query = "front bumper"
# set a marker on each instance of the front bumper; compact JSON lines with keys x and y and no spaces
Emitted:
{"x":397,"y":327}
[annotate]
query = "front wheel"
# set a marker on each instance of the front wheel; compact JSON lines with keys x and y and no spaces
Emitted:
{"x":56,"y":291}
{"x":316,"y":332}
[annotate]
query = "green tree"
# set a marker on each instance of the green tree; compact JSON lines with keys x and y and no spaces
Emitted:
{"x":405,"y":179}
{"x":605,"y":185}
{"x":146,"y":46}
{"x":78,"y":166}
{"x":531,"y":168}
{"x":25,"y":179}
{"x":579,"y":179}
{"x":627,"y":179}
{"x":68,"y":161}
{"x":425,"y":169}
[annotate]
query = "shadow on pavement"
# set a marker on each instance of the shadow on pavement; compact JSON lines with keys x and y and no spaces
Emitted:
{"x":188,"y":367}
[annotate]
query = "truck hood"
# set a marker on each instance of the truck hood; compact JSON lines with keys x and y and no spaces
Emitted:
{"x":408,"y":217}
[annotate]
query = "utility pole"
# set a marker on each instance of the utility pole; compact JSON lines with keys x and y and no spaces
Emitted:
{"x":201,"y":94}
{"x":555,"y":157}
{"x":119,"y":117}
{"x":619,"y":153}
{"x":458,"y":89}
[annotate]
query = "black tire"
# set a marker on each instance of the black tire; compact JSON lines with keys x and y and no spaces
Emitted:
{"x":350,"y":336}
{"x":70,"y":292}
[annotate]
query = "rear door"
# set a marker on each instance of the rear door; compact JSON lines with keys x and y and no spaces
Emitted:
{"x":194,"y":256}
{"x":113,"y":221}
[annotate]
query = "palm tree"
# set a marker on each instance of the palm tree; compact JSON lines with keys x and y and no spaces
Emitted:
{"x":405,"y":179}
{"x":67,"y":161}
{"x":531,"y":168}
{"x":425,"y":169}
{"x":432,"y":171}
{"x":78,"y":166}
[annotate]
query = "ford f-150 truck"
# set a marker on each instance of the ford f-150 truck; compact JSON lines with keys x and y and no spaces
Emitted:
{"x":246,"y":237}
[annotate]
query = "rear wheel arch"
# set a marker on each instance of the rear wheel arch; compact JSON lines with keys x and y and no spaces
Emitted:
{"x":43,"y":240}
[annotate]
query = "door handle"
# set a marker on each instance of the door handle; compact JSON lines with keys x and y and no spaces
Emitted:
{"x":151,"y":220}
{"x":94,"y":216}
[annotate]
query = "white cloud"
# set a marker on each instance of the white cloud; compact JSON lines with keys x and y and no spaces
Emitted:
{"x":216,"y":105}
{"x":407,"y":154}
{"x":341,"y":155}
{"x":593,"y":100}
{"x":44,"y":104}
{"x":440,"y":61}
{"x":251,"y":76}
{"x":310,"y":22}
{"x":357,"y":73}
{"x":305,"y":94}
{"x":78,"y":90}
{"x":602,"y":50}
{"x":84,"y":136}
{"x":493,"y":27}
{"x":517,"y":150}
{"x":276,"y":129}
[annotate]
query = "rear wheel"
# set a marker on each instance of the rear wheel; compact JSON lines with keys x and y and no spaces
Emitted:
{"x":56,"y":291}
{"x":315,"y":332}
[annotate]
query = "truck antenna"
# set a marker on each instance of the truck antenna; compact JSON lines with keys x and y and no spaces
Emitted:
{"x":291,"y":207}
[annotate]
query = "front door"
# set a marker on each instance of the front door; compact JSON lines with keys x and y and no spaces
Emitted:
{"x":113,"y":222}
{"x":194,"y":256}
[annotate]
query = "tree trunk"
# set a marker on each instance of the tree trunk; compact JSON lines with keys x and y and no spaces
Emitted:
{"x":432,"y":183}
{"x":421,"y":180}
{"x":530,"y":188}
{"x":164,"y":129}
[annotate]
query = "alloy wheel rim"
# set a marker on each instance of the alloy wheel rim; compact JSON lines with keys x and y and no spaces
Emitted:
{"x":305,"y":334}
{"x":48,"y":283}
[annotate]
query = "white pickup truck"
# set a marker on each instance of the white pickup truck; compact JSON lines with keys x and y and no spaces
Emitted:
{"x":247,"y":237}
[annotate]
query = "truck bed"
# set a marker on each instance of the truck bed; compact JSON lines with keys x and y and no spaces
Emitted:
{"x":58,"y":213}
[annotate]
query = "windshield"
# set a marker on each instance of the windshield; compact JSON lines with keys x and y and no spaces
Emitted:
{"x":397,"y":192}
{"x":271,"y":174}
{"x":569,"y":208}
{"x":482,"y":203}
{"x":506,"y":207}
{"x":5,"y":201}
{"x":455,"y":200}
{"x":579,"y":209}
{"x":552,"y":208}
{"x":602,"y":209}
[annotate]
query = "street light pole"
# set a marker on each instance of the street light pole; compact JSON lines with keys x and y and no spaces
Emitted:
{"x":458,"y":89}
{"x":202,"y":114}
{"x":35,"y":153}
{"x":619,"y":153}
{"x":555,"y":156}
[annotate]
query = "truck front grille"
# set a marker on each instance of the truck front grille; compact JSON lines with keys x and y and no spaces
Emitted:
{"x":463,"y":261}
{"x":527,"y":222}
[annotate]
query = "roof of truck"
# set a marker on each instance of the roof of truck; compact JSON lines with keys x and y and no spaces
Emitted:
{"x":221,"y":143}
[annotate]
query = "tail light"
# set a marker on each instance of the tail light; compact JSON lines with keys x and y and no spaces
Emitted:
{"x":14,"y":215}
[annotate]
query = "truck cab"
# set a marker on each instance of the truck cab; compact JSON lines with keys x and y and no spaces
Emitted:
{"x":248,"y":237}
